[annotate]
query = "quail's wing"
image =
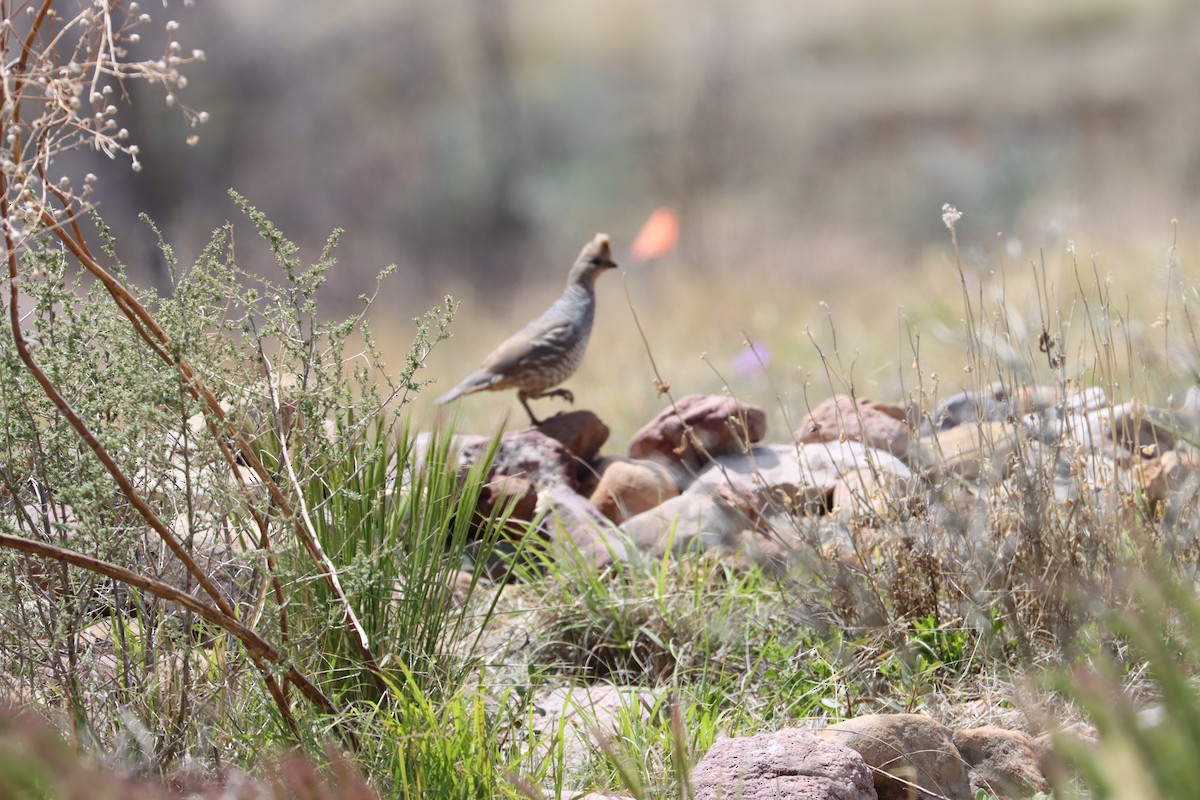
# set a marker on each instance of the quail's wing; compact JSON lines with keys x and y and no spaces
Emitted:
{"x":539,"y":344}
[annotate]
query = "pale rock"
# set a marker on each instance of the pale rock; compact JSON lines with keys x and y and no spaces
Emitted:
{"x":584,"y":716}
{"x":973,"y":452}
{"x":692,"y":522}
{"x":995,"y":403}
{"x":576,"y":529}
{"x":865,"y":494}
{"x":739,"y":499}
{"x":789,"y":763}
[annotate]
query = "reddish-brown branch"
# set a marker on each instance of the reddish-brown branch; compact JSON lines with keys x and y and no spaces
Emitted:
{"x":19,"y":73}
{"x":85,"y":433}
{"x":259,"y":650}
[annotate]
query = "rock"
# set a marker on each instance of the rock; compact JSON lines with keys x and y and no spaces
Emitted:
{"x":500,"y":491}
{"x":461,"y":585}
{"x":841,"y":418}
{"x":526,"y":454}
{"x":1171,"y":482}
{"x":223,"y":555}
{"x":771,"y":546}
{"x":426,"y":446}
{"x":799,"y":478}
{"x":1079,"y":736}
{"x":581,"y":432}
{"x":865,"y":494}
{"x":776,"y":475}
{"x":994,"y":404}
{"x":912,"y":748}
{"x":715,"y":518}
{"x":1001,"y":762}
{"x":719,"y":425}
{"x":973,"y":452}
{"x":576,"y":529}
{"x":583,"y":715}
{"x":1143,"y":431}
{"x":1077,"y":474}
{"x":692,"y":522}
{"x":629,"y":487}
{"x":1129,"y":432}
{"x":843,"y":457}
{"x":790,"y":763}
{"x":756,"y":491}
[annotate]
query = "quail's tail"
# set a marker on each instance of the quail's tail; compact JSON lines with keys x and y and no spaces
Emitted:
{"x":474,"y":382}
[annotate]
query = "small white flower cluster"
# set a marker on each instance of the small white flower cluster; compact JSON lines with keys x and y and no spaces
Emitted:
{"x":58,"y":96}
{"x":950,"y":215}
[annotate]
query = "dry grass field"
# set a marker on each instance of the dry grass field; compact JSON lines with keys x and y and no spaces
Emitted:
{"x":218,"y":542}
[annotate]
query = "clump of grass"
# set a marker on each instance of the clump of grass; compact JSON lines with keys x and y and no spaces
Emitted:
{"x":1141,"y":695}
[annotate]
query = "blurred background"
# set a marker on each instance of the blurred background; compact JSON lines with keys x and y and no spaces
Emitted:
{"x":808,"y":149}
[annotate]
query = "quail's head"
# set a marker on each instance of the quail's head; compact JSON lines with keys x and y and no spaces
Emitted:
{"x":596,"y":257}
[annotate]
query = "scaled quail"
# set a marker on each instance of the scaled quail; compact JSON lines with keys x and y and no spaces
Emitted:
{"x":548,"y":350}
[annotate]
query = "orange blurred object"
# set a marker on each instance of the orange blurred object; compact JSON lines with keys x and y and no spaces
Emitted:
{"x":657,"y":237}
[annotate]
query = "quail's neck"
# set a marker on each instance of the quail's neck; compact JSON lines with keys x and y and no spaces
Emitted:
{"x":580,"y":286}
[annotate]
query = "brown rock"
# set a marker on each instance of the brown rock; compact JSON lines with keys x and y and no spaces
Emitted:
{"x":494,"y":498}
{"x":576,"y":529}
{"x":502,"y":490}
{"x":629,"y":487}
{"x":906,"y":751}
{"x":1001,"y":762}
{"x":1170,"y":480}
{"x":790,"y":763}
{"x":581,"y":432}
{"x":697,"y":427}
{"x":840,"y":418}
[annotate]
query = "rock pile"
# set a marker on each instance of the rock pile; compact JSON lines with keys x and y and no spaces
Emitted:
{"x":701,"y":476}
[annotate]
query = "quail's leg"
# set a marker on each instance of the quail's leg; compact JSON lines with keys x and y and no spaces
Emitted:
{"x":565,"y":394}
{"x":532,"y":419}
